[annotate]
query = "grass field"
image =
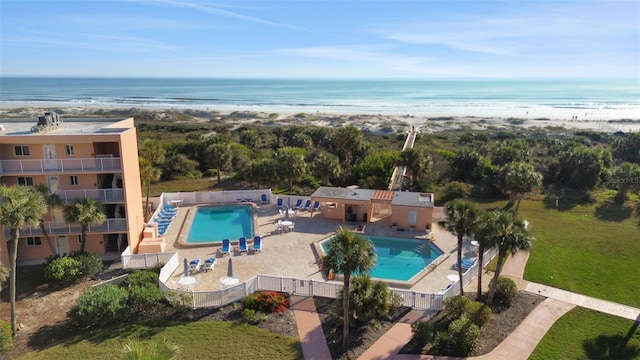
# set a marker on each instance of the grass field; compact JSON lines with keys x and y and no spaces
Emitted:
{"x":196,"y":340}
{"x":588,"y":334}
{"x":588,"y":249}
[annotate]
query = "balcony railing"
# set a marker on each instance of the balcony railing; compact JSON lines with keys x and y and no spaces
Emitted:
{"x":101,"y":195}
{"x":60,"y":228}
{"x":43,"y":166}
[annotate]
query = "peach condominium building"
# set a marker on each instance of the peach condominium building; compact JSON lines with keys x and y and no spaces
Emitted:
{"x":76,"y":159}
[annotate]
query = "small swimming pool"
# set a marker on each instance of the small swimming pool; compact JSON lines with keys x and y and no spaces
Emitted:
{"x":399,"y":259}
{"x":212,"y":224}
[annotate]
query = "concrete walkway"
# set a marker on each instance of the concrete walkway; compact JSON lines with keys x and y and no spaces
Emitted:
{"x":314,"y":344}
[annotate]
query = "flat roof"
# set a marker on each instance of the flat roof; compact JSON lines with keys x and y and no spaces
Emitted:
{"x":343,"y":193}
{"x":401,"y":198}
{"x":406,"y":198}
{"x":74,"y":126}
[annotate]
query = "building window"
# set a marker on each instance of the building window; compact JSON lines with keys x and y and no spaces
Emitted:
{"x":68,"y":149}
{"x":79,"y":239}
{"x":25,"y":180}
{"x":21,"y":150}
{"x":34,"y":241}
{"x":74,"y":180}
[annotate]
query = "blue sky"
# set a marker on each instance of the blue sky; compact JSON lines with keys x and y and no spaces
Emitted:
{"x":320,"y":39}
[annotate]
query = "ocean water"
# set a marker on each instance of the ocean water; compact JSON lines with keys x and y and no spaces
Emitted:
{"x":598,"y":98}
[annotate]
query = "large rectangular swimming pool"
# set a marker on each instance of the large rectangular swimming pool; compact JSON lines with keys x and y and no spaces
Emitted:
{"x":212,"y":224}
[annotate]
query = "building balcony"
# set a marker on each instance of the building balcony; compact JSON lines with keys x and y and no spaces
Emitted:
{"x":101,"y":195}
{"x":55,"y":166}
{"x":62,"y":228}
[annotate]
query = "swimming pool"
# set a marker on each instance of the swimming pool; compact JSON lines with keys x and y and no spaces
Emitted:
{"x":212,"y":224}
{"x":399,"y":259}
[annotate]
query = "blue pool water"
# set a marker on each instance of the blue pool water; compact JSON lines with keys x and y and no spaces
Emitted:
{"x":215,"y":223}
{"x":399,"y":259}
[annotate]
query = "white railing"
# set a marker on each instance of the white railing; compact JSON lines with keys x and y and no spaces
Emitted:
{"x":55,"y":227}
{"x":212,"y":197}
{"x":41,"y":166}
{"x":101,"y":195}
{"x":145,"y":261}
{"x":470,"y":273}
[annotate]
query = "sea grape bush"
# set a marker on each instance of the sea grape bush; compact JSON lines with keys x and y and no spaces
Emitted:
{"x":266,"y":301}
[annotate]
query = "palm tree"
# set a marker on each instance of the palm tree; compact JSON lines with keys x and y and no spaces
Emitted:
{"x":148,"y":173}
{"x":152,"y":156}
{"x":348,"y":140}
{"x":462,"y":218}
{"x":518,"y":178}
{"x":291,"y":164}
{"x":348,"y":253}
{"x":84,"y":212}
{"x":627,"y":178}
{"x":52,"y":200}
{"x":219,"y":155}
{"x":326,"y":166}
{"x":509,"y":234}
{"x":20,"y":207}
{"x":483,"y":232}
{"x":415,"y":161}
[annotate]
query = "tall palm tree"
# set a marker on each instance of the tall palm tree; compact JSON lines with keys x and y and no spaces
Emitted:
{"x":20,"y":207}
{"x":148,"y":173}
{"x":348,"y":253}
{"x":484,"y":231}
{"x":415,"y":161}
{"x":151,"y":157}
{"x":462,"y":219}
{"x":509,"y":234}
{"x":518,"y":178}
{"x":52,"y":200}
{"x":627,"y":178}
{"x":84,"y":212}
{"x":326,"y":166}
{"x":348,"y":140}
{"x":219,"y":155}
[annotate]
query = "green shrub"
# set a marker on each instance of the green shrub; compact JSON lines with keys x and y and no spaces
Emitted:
{"x":5,"y":335}
{"x":368,"y":300}
{"x":252,"y":317}
{"x":136,"y":349}
{"x":141,"y":278}
{"x":144,"y":297}
{"x":100,"y":306}
{"x":505,"y":291}
{"x":64,"y":270}
{"x":90,"y":264}
{"x":478,"y":313}
{"x":266,"y":301}
{"x":454,"y":190}
{"x":462,"y":337}
{"x":456,"y":305}
{"x":423,"y":333}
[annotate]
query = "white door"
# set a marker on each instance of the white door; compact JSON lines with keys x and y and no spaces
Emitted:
{"x":413,"y":217}
{"x":50,"y":156}
{"x":54,"y":184}
{"x":62,"y":245}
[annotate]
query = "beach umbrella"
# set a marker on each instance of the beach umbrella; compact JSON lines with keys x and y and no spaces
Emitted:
{"x":230,"y":268}
{"x":286,"y":211}
{"x":185,"y":271}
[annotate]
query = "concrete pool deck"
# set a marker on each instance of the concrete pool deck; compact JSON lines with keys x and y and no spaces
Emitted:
{"x":293,"y":254}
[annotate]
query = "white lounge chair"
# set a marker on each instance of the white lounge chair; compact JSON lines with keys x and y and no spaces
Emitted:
{"x":209,"y":264}
{"x":194,"y":265}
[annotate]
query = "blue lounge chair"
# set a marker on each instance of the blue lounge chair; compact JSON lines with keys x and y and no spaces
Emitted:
{"x":209,"y":264}
{"x":264,"y":199}
{"x":298,"y":203}
{"x":169,"y":208}
{"x":307,"y":205}
{"x":257,"y":244}
{"x":242,"y":245}
{"x":279,"y":203}
{"x":194,"y":265}
{"x":226,"y":247}
{"x":466,"y":263}
{"x":316,"y":206}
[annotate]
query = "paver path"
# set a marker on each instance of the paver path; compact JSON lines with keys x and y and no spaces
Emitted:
{"x":314,"y":344}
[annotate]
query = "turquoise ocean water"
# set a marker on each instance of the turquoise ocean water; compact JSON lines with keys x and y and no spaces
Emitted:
{"x":605,"y":98}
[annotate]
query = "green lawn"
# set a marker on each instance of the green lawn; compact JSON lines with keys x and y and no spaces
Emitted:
{"x":196,"y":340}
{"x":587,"y":334}
{"x":588,"y":249}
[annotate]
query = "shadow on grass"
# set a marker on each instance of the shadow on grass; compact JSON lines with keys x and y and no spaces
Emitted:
{"x":612,"y":347}
{"x":613,"y":211}
{"x":566,"y":199}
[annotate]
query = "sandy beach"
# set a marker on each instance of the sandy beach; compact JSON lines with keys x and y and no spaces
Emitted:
{"x":382,"y":123}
